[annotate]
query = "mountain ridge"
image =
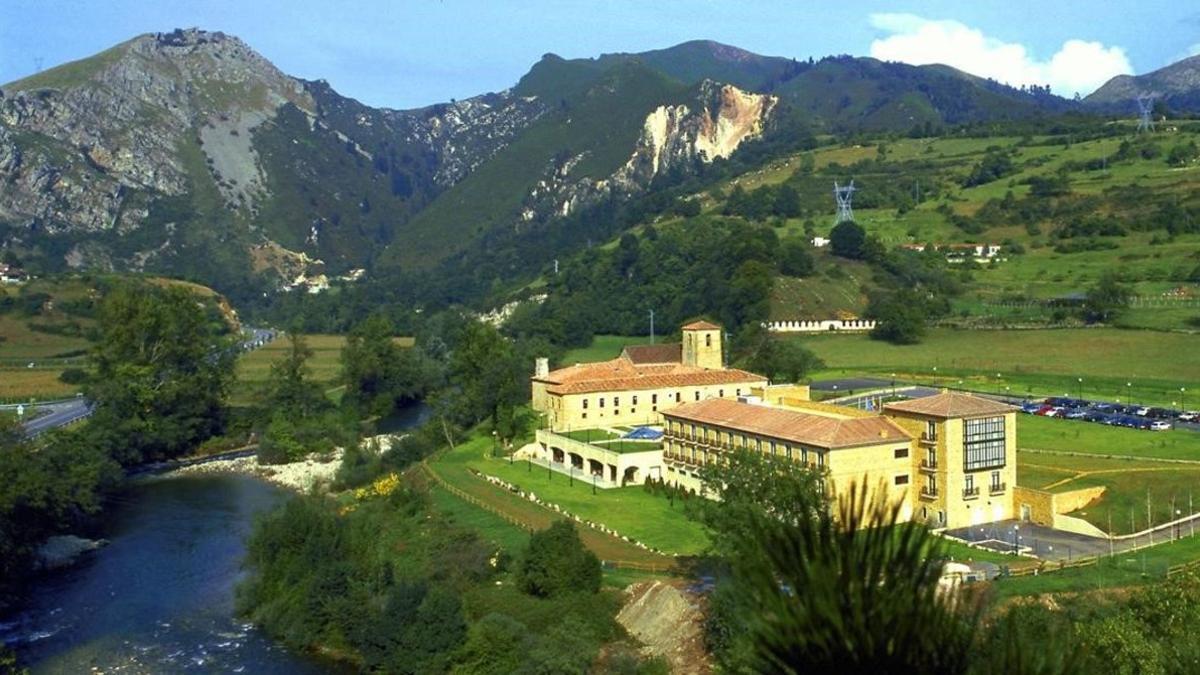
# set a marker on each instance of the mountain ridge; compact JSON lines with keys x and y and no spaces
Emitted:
{"x":188,"y":153}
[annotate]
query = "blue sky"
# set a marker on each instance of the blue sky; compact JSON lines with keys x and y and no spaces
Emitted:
{"x":406,"y":54}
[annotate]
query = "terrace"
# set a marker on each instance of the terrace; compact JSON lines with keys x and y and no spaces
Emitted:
{"x":606,"y":457}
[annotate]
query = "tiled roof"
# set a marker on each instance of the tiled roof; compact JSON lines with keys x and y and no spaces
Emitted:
{"x":791,"y":425}
{"x":664,"y":353}
{"x":701,"y":325}
{"x":622,"y":374}
{"x":951,"y":404}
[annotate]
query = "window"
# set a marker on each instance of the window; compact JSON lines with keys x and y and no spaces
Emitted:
{"x":773,"y":452}
{"x":585,"y":416}
{"x":585,"y":404}
{"x":983,"y":443}
{"x":678,"y":396}
{"x":901,"y":480}
{"x":692,"y":431}
{"x":787,"y":450}
{"x":634,"y":399}
{"x":996,"y":485}
{"x":729,"y":438}
{"x":969,"y":484}
{"x":758,"y":445}
{"x":697,"y":395}
{"x":653,"y":399}
{"x":931,"y":457}
{"x":601,"y":401}
{"x":900,"y":453}
{"x":931,"y":431}
{"x":708,"y":340}
{"x":721,"y":393}
{"x":616,"y":401}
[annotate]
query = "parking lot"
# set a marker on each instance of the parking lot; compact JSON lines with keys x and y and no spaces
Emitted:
{"x":1113,"y":414}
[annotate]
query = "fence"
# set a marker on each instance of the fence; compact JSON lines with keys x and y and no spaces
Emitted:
{"x":660,"y":568}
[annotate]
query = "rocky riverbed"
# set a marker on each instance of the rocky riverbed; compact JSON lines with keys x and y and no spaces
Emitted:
{"x":313,"y":472}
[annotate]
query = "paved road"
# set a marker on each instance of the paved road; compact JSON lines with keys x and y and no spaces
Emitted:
{"x":849,"y":384}
{"x":1050,"y":544}
{"x":62,"y":413}
{"x":54,"y":415}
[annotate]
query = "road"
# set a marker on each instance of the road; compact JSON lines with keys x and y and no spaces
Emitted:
{"x":55,"y":415}
{"x":61,"y":413}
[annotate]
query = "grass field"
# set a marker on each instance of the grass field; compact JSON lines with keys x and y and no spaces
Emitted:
{"x":1132,"y":365}
{"x":18,"y":342}
{"x":1088,"y":437}
{"x":631,"y":511}
{"x":325,"y":366}
{"x":606,"y":347}
{"x":17,"y":383}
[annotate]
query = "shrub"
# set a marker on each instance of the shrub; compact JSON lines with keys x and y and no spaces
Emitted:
{"x":556,"y":562}
{"x":73,"y":376}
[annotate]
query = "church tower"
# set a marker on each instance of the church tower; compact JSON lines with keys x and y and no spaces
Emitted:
{"x":702,"y":345}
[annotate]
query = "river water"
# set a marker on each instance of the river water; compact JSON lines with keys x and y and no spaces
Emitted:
{"x":159,"y":597}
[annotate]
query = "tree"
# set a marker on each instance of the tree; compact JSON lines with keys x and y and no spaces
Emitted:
{"x":781,"y":360}
{"x":289,"y":389}
{"x":1105,"y":300}
{"x":557,"y":562}
{"x":795,"y":259}
{"x":380,"y":375}
{"x":899,"y":317}
{"x":497,"y":644}
{"x":847,"y":239}
{"x":853,"y":588}
{"x":162,"y":370}
{"x":787,"y":201}
{"x":489,"y":374}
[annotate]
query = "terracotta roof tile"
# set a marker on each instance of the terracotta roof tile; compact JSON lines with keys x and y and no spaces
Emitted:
{"x":664,"y":353}
{"x":701,"y":325}
{"x":791,"y":425}
{"x":950,"y":405}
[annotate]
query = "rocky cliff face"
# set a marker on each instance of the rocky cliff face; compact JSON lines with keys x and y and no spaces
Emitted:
{"x":713,"y":126}
{"x":92,"y":153}
{"x":86,"y":134}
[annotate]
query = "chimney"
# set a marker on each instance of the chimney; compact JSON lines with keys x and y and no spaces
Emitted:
{"x":541,"y":366}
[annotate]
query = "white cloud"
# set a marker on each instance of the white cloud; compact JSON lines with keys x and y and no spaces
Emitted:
{"x":1078,"y":66}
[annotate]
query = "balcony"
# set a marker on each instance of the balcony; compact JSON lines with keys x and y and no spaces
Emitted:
{"x":928,"y":442}
{"x":970,"y":493}
{"x":927,"y":465}
{"x":997,"y":488}
{"x":928,"y":493}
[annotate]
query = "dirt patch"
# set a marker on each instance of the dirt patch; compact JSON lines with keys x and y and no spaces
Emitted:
{"x":669,"y":623}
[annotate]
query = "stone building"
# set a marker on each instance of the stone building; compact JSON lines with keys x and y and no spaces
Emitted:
{"x":641,"y":383}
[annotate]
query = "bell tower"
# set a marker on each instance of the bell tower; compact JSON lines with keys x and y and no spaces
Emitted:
{"x":702,"y":345}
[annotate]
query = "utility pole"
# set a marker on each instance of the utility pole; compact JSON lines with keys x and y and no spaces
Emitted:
{"x":651,"y":326}
{"x":1149,"y":518}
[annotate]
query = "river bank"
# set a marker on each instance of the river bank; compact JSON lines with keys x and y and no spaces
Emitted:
{"x":160,"y":596}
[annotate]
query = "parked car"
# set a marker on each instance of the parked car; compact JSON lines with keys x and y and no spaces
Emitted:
{"x":1159,"y":425}
{"x":1189,"y":416}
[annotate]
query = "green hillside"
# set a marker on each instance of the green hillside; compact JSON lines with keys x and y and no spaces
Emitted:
{"x":599,"y":124}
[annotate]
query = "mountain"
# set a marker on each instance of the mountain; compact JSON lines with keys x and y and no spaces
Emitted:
{"x":189,"y":154}
{"x":1176,"y":85}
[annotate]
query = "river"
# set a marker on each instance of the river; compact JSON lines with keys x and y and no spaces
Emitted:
{"x":159,"y":597}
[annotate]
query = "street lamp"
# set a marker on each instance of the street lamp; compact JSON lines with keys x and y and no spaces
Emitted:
{"x":593,"y":484}
{"x":1080,"y":390}
{"x":894,"y":385}
{"x":1016,"y":530}
{"x":493,"y":443}
{"x":1182,"y":399}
